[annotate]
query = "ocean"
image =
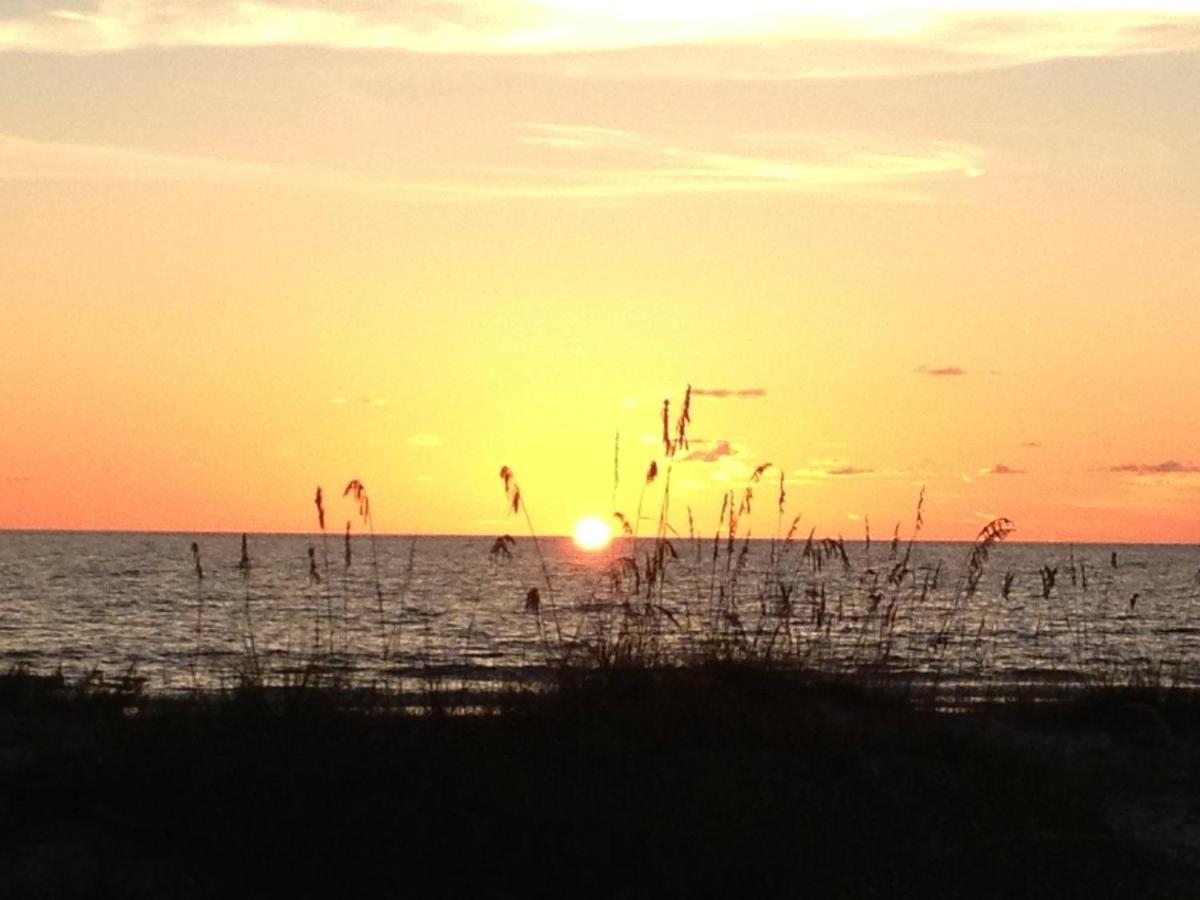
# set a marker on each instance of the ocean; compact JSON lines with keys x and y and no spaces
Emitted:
{"x":132,"y":604}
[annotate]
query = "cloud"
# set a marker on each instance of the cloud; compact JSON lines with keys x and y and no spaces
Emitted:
{"x":750,"y":39}
{"x":833,"y":468}
{"x":943,"y":372}
{"x":578,"y":162}
{"x":360,"y":401}
{"x":1002,"y":469}
{"x":723,"y":393}
{"x":26,"y":160}
{"x":422,"y":439}
{"x":588,"y":162}
{"x":17,"y":479}
{"x":1169,"y":467}
{"x":1032,"y":445}
{"x":712,"y":452}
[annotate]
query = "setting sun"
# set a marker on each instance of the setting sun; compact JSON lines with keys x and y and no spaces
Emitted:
{"x":592,"y":533}
{"x":574,"y":400}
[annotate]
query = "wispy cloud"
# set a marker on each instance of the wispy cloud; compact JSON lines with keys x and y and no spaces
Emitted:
{"x":28,"y":160}
{"x":586,"y":163}
{"x":1032,"y":445}
{"x":725,"y":393}
{"x":1002,"y":469}
{"x":426,"y":440}
{"x":1169,"y":467}
{"x":750,"y":39}
{"x":942,"y":372}
{"x":712,"y":452}
{"x":829,"y":469}
{"x":359,"y":401}
{"x":22,"y":159}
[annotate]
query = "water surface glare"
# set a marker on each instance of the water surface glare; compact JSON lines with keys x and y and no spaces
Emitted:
{"x":116,"y":600}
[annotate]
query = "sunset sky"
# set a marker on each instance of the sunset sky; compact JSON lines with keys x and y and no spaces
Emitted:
{"x":247,"y":248}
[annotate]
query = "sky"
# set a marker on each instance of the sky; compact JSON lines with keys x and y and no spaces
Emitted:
{"x":249,"y":248}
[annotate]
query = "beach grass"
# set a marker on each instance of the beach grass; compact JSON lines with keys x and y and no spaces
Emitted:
{"x":776,"y":731}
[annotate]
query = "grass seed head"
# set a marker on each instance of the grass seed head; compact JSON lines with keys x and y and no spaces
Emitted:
{"x":199,"y":569}
{"x":681,"y":424}
{"x":358,"y":491}
{"x":244,"y":562}
{"x":511,"y":489}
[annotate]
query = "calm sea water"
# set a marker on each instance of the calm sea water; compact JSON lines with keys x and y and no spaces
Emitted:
{"x":116,"y":600}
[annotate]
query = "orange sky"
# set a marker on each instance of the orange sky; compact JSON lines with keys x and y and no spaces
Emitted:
{"x":249,"y":248}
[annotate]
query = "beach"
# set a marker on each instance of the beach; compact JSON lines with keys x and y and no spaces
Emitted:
{"x":714,"y":782}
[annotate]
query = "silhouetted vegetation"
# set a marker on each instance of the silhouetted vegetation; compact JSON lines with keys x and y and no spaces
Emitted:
{"x":821,"y":724}
{"x":717,"y":780}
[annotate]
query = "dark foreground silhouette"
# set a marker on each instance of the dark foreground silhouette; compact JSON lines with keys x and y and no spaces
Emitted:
{"x":707,"y":782}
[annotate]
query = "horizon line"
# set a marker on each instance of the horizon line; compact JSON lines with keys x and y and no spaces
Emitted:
{"x":616,"y":537}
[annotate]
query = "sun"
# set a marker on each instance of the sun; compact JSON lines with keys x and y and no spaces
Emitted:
{"x":592,"y":533}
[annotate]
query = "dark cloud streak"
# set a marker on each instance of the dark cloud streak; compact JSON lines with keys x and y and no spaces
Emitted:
{"x":725,"y":393}
{"x":1169,"y":467}
{"x":710,"y":454}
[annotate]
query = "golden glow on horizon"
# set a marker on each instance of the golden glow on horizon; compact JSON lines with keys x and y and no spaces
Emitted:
{"x":592,"y":534}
